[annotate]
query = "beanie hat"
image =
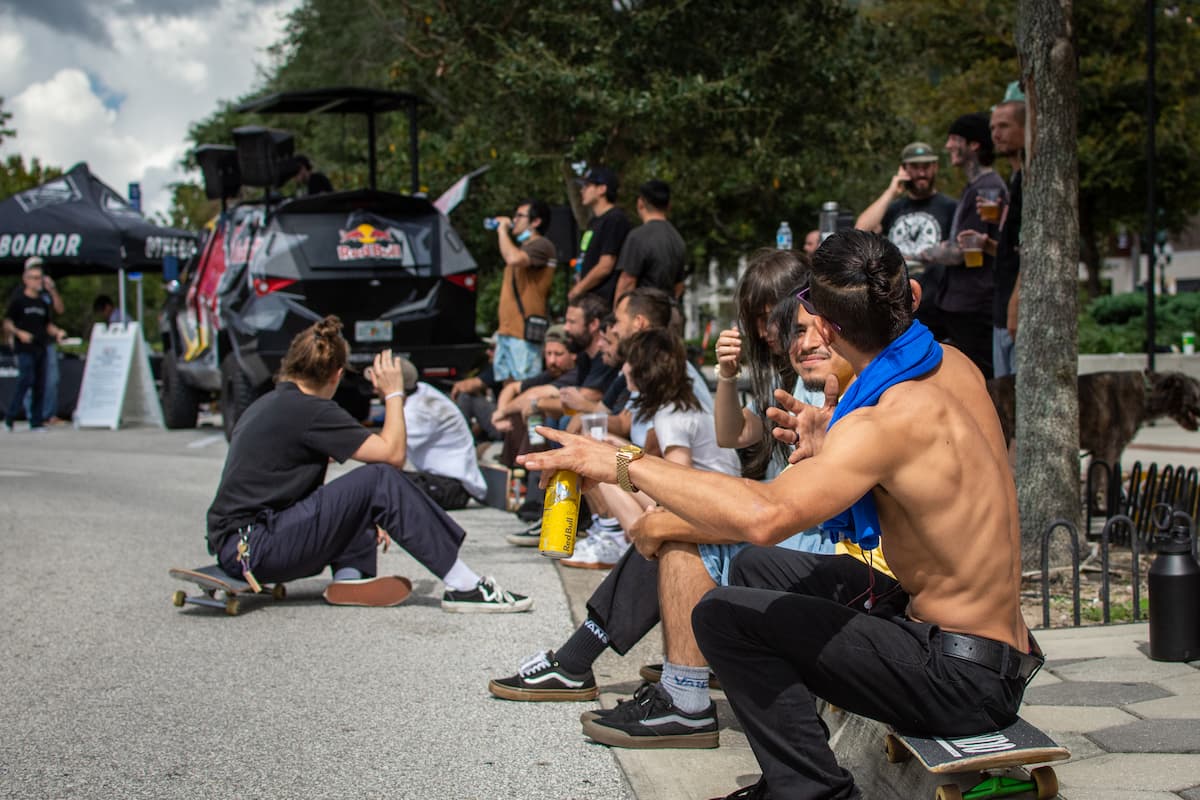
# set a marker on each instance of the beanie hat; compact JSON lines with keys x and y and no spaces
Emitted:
{"x":973,"y":128}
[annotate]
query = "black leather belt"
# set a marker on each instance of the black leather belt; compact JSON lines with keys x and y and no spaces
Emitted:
{"x":996,"y":656}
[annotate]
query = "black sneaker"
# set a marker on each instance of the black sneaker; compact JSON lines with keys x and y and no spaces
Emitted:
{"x":526,"y":538}
{"x":530,"y":510}
{"x":653,"y":674}
{"x":652,"y":720}
{"x":485,"y":598}
{"x":541,"y":678}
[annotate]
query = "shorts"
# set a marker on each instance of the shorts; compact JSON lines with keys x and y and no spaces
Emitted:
{"x":516,"y":359}
{"x":718,"y":557}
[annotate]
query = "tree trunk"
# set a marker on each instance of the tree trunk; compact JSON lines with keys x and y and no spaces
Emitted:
{"x":1047,"y":343}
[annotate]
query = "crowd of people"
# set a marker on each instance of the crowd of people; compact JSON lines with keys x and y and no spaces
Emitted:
{"x":849,"y":405}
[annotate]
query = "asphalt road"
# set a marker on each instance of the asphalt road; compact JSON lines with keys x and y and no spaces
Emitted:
{"x":107,"y":690}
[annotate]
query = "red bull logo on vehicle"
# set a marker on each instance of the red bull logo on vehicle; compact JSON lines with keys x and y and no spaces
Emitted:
{"x":365,"y":241}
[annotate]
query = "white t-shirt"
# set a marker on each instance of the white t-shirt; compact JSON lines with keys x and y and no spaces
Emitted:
{"x":695,"y":430}
{"x":439,"y":440}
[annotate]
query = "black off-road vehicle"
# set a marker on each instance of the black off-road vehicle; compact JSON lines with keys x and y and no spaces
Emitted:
{"x":390,"y":265}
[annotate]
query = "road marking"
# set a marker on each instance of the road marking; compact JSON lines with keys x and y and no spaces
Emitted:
{"x":13,"y":473}
{"x":207,"y":440}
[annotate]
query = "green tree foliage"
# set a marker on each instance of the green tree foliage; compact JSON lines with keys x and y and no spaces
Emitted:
{"x":753,"y":111}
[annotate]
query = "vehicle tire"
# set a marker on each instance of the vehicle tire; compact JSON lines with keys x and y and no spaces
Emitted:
{"x":180,"y":402}
{"x":236,"y":394}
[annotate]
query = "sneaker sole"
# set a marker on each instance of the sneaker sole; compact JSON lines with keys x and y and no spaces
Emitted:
{"x":522,"y":541}
{"x":647,"y":672}
{"x":686,"y":741}
{"x":595,"y":713}
{"x":542,"y":695}
{"x":487,"y":608}
{"x":380,"y":593}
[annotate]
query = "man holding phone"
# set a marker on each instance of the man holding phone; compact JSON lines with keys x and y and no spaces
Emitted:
{"x":915,"y":217}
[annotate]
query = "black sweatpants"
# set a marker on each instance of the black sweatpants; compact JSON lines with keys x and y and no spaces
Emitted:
{"x":335,"y":527}
{"x":626,"y":601}
{"x":775,"y":649}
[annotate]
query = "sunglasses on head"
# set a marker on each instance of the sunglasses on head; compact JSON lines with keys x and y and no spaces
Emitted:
{"x":806,"y":304}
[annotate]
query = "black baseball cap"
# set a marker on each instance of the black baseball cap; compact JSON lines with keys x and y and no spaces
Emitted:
{"x":601,"y":176}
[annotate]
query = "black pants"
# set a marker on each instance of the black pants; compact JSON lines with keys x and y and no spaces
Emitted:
{"x":626,"y":601}
{"x":478,"y":410}
{"x":449,"y":493}
{"x":971,"y":332}
{"x":776,"y":649}
{"x":31,"y":376}
{"x":335,"y":527}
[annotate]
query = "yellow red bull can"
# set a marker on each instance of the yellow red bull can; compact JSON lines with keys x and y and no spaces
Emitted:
{"x":560,"y":515}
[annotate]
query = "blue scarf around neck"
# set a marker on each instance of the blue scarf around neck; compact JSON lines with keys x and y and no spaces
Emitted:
{"x":911,"y":355}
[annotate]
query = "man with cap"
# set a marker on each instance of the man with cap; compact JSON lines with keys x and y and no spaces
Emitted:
{"x":915,"y":217}
{"x":441,"y":449}
{"x":601,"y":242}
{"x":966,"y":301}
{"x":28,"y":320}
{"x":529,"y":262}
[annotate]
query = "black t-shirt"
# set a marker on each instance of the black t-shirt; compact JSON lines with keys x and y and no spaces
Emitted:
{"x":31,"y":314}
{"x":604,"y":237}
{"x":594,"y":373}
{"x":617,"y":396}
{"x":970,"y":290}
{"x":654,"y":254}
{"x":318,"y":183}
{"x":568,"y":378}
{"x":280,"y":450}
{"x":1008,"y":259}
{"x":917,"y":225}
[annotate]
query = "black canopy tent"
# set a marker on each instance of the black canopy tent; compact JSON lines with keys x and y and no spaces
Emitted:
{"x":347,"y":100}
{"x":79,"y":226}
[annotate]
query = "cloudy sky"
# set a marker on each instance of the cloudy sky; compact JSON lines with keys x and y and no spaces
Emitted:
{"x":116,"y":83}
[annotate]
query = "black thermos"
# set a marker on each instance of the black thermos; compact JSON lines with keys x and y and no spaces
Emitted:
{"x":1174,"y":584}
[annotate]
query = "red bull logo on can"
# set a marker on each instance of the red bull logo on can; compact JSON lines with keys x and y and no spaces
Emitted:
{"x":365,"y":241}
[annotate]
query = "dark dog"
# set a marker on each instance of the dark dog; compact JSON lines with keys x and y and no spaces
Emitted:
{"x":1113,"y":406}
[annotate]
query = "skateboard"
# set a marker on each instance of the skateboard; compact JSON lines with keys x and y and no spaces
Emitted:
{"x":212,"y":579}
{"x":1018,"y":745}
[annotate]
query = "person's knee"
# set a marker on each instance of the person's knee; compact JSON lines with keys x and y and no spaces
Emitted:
{"x":709,"y":611}
{"x":749,"y":563}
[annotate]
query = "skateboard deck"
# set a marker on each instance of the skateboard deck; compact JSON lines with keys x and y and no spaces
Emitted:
{"x":212,"y":579}
{"x":1018,"y":745}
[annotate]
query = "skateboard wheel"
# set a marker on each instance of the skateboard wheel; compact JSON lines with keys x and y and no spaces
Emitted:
{"x":1046,"y":781}
{"x":278,"y":591}
{"x":896,"y":752}
{"x":231,"y":606}
{"x":179,"y":598}
{"x":949,"y":791}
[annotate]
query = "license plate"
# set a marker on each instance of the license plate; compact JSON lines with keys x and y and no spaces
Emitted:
{"x":373,"y":330}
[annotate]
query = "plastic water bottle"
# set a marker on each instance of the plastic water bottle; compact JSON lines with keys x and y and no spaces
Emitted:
{"x":516,"y":489}
{"x":490,"y":223}
{"x":783,"y":237}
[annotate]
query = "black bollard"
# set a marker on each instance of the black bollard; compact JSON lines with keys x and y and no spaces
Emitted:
{"x":1174,"y":584}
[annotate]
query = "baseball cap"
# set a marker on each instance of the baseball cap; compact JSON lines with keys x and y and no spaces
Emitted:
{"x":409,"y":373}
{"x":918,"y":153}
{"x":601,"y":176}
{"x":34,"y":261}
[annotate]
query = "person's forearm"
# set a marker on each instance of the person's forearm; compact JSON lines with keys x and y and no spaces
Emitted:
{"x":597,"y":275}
{"x":728,"y":416}
{"x":946,"y":253}
{"x":872,"y":218}
{"x":394,"y":432}
{"x":625,"y":283}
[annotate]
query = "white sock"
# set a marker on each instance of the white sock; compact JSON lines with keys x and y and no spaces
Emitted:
{"x":347,"y":574}
{"x":607,"y":523}
{"x":460,"y":578}
{"x":686,"y":686}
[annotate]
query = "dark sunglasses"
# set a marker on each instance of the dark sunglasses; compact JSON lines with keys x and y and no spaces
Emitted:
{"x":807,"y":305}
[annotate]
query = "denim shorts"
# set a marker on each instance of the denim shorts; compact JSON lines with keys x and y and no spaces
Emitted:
{"x":516,"y":359}
{"x":718,"y":557}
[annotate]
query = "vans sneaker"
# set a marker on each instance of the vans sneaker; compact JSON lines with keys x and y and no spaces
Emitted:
{"x":526,"y":538}
{"x":385,"y":590}
{"x":651,"y":720}
{"x":485,"y":598}
{"x":541,"y":678}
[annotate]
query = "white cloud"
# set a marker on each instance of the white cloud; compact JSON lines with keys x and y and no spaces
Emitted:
{"x":170,"y":70}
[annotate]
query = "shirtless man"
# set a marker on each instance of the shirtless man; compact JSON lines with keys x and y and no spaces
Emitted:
{"x":930,"y":455}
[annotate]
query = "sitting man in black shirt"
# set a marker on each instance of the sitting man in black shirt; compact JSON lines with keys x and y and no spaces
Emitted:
{"x":310,"y":181}
{"x":274,"y":519}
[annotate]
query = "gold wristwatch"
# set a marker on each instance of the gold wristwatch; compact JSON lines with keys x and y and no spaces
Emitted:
{"x":625,"y":455}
